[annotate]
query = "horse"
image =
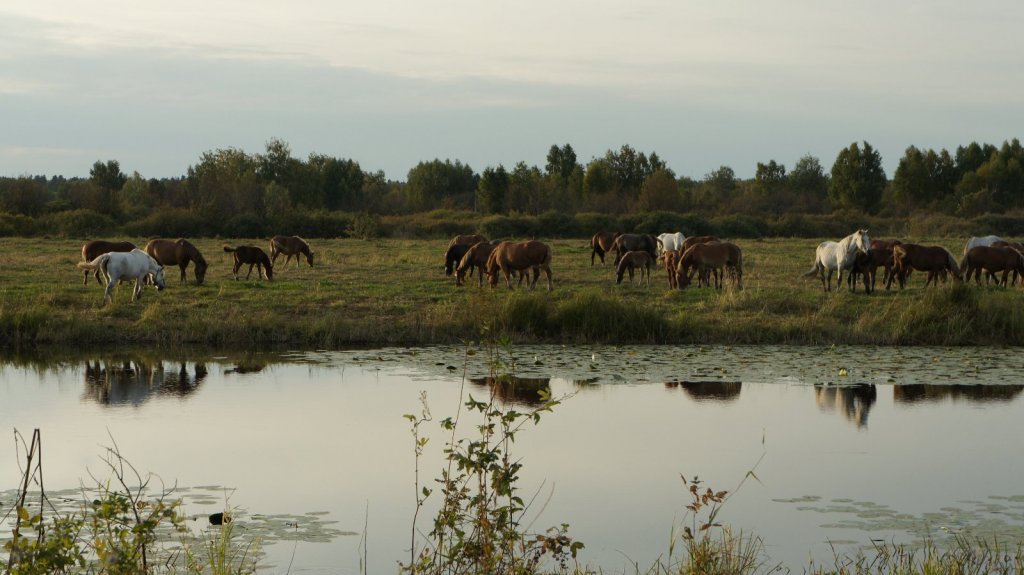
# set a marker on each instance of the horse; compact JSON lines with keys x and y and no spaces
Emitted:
{"x":179,"y":253}
{"x":671,"y":259}
{"x":670,"y":241}
{"x":467,"y":239}
{"x":95,"y":248}
{"x":508,"y":257}
{"x":839,"y":256}
{"x":981,"y":241}
{"x":475,"y":257}
{"x":452,"y":257}
{"x":931,"y":259}
{"x":992,"y":259}
{"x":634,"y":242}
{"x":867,"y":264}
{"x":1005,"y":244}
{"x":707,"y":258}
{"x":694,"y":240}
{"x":633,"y":260}
{"x":290,"y":246}
{"x":126,"y":265}
{"x":601,"y":244}
{"x":253,"y":256}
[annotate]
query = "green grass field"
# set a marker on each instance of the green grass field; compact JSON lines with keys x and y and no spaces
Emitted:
{"x":394,"y":291}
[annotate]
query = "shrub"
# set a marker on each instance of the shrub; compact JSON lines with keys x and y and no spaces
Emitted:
{"x":16,"y":225}
{"x":589,"y":223}
{"x":553,"y":224}
{"x":505,"y":227}
{"x":79,"y":223}
{"x":169,"y":223}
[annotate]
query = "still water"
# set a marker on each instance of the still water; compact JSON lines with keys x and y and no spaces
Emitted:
{"x":847,"y":445}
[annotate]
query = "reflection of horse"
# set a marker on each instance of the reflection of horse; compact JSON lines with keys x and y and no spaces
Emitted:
{"x":253,"y":256}
{"x":96,"y":248}
{"x":512,"y":389}
{"x":931,"y":259}
{"x":135,"y":380}
{"x":635,"y":260}
{"x":838,"y":256}
{"x":634,"y":242}
{"x":120,"y":265}
{"x":601,"y":244}
{"x":851,"y":401}
{"x":992,"y":260}
{"x":917,"y":393}
{"x":509,"y":257}
{"x":290,"y":246}
{"x":709,"y":391}
{"x":179,"y":253}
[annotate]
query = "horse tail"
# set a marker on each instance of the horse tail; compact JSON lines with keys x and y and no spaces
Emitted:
{"x":815,"y":270}
{"x":229,"y":249}
{"x":99,"y":263}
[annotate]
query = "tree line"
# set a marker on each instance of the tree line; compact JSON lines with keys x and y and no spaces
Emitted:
{"x":234,"y":193}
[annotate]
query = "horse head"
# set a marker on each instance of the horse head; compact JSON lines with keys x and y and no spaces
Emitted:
{"x":158,"y":278}
{"x":863,"y":241}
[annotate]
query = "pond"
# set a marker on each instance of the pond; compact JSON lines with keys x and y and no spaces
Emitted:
{"x":847,"y":445}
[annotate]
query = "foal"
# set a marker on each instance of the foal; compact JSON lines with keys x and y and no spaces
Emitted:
{"x":253,"y":256}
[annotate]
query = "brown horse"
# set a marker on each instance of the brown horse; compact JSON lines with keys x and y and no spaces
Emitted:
{"x":508,"y":257}
{"x":179,"y":253}
{"x":867,"y":264}
{"x":96,"y":248}
{"x":601,"y":244}
{"x":671,"y":259}
{"x":1005,"y":244}
{"x":475,"y":257}
{"x":634,"y":260}
{"x":634,"y":242}
{"x":253,"y":256}
{"x":712,"y":257}
{"x":453,"y":256}
{"x":467,"y":239}
{"x":694,"y":240}
{"x":290,"y":246}
{"x":992,"y":259}
{"x":932,"y":259}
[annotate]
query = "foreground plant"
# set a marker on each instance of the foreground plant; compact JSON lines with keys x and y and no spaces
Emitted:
{"x":478,"y":527}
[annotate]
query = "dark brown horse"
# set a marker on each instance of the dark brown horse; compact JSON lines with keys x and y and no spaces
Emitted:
{"x":179,"y":253}
{"x":634,"y":260}
{"x":290,"y":246}
{"x":253,"y":256}
{"x":866,"y":265}
{"x":96,"y":248}
{"x":992,"y":259}
{"x":935,"y":260}
{"x":632,"y":243}
{"x":508,"y":257}
{"x":601,"y":244}
{"x":453,"y":256}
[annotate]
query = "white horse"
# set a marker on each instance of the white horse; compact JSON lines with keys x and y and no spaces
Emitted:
{"x":119,"y":266}
{"x":838,"y":256}
{"x":986,"y":241}
{"x":668,"y":242}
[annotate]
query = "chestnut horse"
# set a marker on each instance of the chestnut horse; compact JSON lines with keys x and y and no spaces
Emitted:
{"x":290,"y":246}
{"x":508,"y":257}
{"x":475,"y":257}
{"x":634,"y":242}
{"x":671,"y":258}
{"x":467,"y":239}
{"x":179,"y":253}
{"x":992,"y":259}
{"x":253,"y":256}
{"x":601,"y":244}
{"x":711,"y":257}
{"x":635,"y":260}
{"x":694,"y":240}
{"x":931,"y":259}
{"x":453,"y":256}
{"x":95,"y":248}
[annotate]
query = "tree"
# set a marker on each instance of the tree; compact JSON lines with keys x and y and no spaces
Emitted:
{"x":441,"y":184}
{"x":105,"y":181}
{"x":858,"y":179}
{"x":492,"y":190}
{"x":660,"y":192}
{"x":561,"y":162}
{"x":23,"y":196}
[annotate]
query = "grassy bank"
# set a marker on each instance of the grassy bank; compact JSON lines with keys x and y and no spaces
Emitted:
{"x":384,"y":292}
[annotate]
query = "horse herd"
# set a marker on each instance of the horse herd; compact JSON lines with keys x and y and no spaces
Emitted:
{"x":122,"y":261}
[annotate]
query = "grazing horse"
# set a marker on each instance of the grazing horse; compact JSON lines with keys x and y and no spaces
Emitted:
{"x":123,"y":266}
{"x":508,"y":257}
{"x":670,"y":242}
{"x":290,"y":246}
{"x":833,"y":256}
{"x":179,"y":253}
{"x":601,"y":244}
{"x":867,"y":264}
{"x":694,"y":240}
{"x":992,"y":259}
{"x":931,"y":259}
{"x":711,"y":257}
{"x":95,"y":248}
{"x":253,"y":256}
{"x":453,"y":256}
{"x":475,"y":257}
{"x":467,"y":239}
{"x":671,"y":260}
{"x":634,"y":242}
{"x":1005,"y":244}
{"x":634,"y":260}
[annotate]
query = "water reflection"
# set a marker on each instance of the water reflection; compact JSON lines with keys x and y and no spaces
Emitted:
{"x":134,"y":380}
{"x":919,"y":393}
{"x":709,"y":391}
{"x":851,"y":401}
{"x":512,"y":389}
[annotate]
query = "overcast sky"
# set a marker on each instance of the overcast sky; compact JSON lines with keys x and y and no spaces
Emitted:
{"x":390,"y":83}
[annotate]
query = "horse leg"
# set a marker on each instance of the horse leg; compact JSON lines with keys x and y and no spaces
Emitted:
{"x":547,"y":272}
{"x":108,"y":293}
{"x":137,"y":289}
{"x":250,"y":271}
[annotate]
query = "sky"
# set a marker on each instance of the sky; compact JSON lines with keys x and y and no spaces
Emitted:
{"x":391,"y":83}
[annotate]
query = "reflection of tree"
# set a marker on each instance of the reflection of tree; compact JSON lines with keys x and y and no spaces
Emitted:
{"x":918,"y":393}
{"x":134,"y":380}
{"x":852,"y":401}
{"x":711,"y":391}
{"x":511,"y":389}
{"x":248,"y":364}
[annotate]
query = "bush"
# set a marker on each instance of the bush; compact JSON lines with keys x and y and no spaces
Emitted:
{"x":998,"y":224}
{"x":554,"y":224}
{"x":79,"y":223}
{"x":244,"y":226}
{"x":589,"y":223}
{"x":740,"y":226}
{"x":506,"y":227}
{"x":16,"y":225}
{"x":169,"y":223}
